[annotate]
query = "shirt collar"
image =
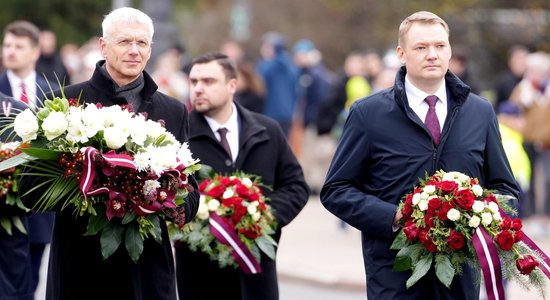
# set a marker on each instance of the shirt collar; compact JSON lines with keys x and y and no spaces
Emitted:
{"x":232,"y":123}
{"x":30,"y":80}
{"x":416,"y":96}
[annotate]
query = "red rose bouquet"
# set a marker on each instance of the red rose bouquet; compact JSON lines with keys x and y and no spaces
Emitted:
{"x":450,"y":220}
{"x":126,"y":172}
{"x":9,"y":190}
{"x":233,"y":223}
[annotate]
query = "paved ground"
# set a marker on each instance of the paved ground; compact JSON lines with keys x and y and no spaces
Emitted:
{"x":314,"y":249}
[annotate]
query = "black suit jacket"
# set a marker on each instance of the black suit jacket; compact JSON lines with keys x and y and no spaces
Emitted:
{"x":263,"y":151}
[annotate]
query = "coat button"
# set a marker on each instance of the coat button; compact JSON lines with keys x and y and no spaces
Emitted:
{"x":228,"y":163}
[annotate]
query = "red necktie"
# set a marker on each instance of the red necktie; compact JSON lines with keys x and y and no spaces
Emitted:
{"x":431,"y":119}
{"x":24,"y":97}
{"x":223,"y":140}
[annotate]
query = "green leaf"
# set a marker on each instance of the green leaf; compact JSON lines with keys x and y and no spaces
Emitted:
{"x":399,"y":242}
{"x":42,"y":153}
{"x":157,"y":232}
{"x":129,"y":217}
{"x":266,"y":246}
{"x":133,"y":241}
{"x":6,"y":224}
{"x":421,"y":268}
{"x":111,"y":237}
{"x":444,"y":269}
{"x":96,"y":223}
{"x":18,"y":224}
{"x":403,"y":260}
{"x":15,"y":161}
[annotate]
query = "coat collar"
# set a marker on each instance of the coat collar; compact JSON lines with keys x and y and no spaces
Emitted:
{"x":107,"y":86}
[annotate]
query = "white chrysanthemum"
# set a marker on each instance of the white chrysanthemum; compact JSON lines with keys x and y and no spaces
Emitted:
{"x":429,"y":189}
{"x":477,"y":190}
{"x":142,"y":161}
{"x":115,"y":137}
{"x":150,"y":185}
{"x":92,"y":118}
{"x":154,"y":129}
{"x":26,"y":125}
{"x":478,"y":206}
{"x":474,"y":222}
{"x":246,"y":182}
{"x":111,"y":114}
{"x":161,"y":158}
{"x":185,"y":156}
{"x":54,"y":125}
{"x":203,"y":212}
{"x":486,"y":218}
{"x":228,"y":194}
{"x":213,"y":204}
{"x":138,"y":131}
{"x":493,"y":207}
{"x":453,"y":214}
{"x":416,"y":199}
{"x":423,"y":205}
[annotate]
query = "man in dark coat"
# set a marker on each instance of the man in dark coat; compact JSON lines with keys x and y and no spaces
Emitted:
{"x":386,"y":147}
{"x":20,"y":52}
{"x":257,"y":146}
{"x":76,"y":268}
{"x":15,"y":258}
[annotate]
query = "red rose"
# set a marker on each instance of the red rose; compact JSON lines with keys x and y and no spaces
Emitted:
{"x":447,"y":187}
{"x":411,"y":231}
{"x":505,"y":240}
{"x":203,"y":185}
{"x":253,"y":232}
{"x":465,"y":199}
{"x":445,"y":207}
{"x":490,"y":198}
{"x":216,"y":192}
{"x":518,"y":235}
{"x":238,"y":214}
{"x":242,"y":190}
{"x":526,"y":264}
{"x":427,"y":241}
{"x":225,"y":181}
{"x":433,"y":205}
{"x":506,"y":223}
{"x":429,"y":220}
{"x":516,"y":224}
{"x":456,"y":240}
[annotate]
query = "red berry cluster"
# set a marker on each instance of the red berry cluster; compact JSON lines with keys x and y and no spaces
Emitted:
{"x":126,"y":181}
{"x":72,"y":162}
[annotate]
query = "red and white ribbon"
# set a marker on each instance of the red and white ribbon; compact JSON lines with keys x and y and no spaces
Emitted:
{"x":489,"y":261}
{"x":226,"y":235}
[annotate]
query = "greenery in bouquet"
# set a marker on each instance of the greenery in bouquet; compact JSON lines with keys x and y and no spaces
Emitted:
{"x":239,"y":201}
{"x":440,"y":218}
{"x":125,"y":171}
{"x":9,"y":190}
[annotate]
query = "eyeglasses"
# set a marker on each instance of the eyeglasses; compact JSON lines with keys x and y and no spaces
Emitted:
{"x":127,"y":43}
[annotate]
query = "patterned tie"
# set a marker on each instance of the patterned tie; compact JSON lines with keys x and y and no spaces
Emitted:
{"x":223,"y":140}
{"x":431,"y":119}
{"x":24,"y":97}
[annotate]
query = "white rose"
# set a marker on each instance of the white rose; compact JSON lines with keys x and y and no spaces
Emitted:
{"x":252,"y":209}
{"x":474,"y":222}
{"x":256,"y":216}
{"x":486,"y":218}
{"x":453,"y":214}
{"x":424,"y":195}
{"x":213,"y":204}
{"x":246,"y":182}
{"x":54,"y":125}
{"x":478,"y":206}
{"x":493,"y":207}
{"x":203,"y":212}
{"x":423,"y":205}
{"x":430,"y":189}
{"x":416,"y":199}
{"x":228,"y":194}
{"x":115,"y":137}
{"x":497,"y":216}
{"x":26,"y":125}
{"x":477,"y":190}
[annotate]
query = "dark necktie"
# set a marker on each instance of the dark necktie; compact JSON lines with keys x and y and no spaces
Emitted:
{"x":24,"y":97}
{"x":223,"y":140}
{"x":431,"y":119}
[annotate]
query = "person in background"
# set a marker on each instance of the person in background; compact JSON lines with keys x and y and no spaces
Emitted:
{"x":257,"y":146}
{"x":386,"y":147}
{"x":509,"y":78}
{"x":50,"y":64}
{"x":280,"y":77}
{"x":170,"y":78}
{"x":77,"y":269}
{"x":459,"y":66}
{"x":20,"y":52}
{"x":250,"y":88}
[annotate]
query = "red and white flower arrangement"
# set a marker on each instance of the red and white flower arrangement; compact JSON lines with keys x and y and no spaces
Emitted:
{"x":9,"y":190}
{"x":449,"y":220}
{"x":233,"y":224}
{"x":129,"y":173}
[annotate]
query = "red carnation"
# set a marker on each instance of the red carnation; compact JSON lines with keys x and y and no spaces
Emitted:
{"x":465,"y":199}
{"x":505,"y":240}
{"x":447,"y":187}
{"x":526,"y":264}
{"x":456,"y":240}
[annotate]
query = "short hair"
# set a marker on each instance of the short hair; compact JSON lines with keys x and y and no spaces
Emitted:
{"x":126,"y":15}
{"x":424,"y":17}
{"x":227,"y":64}
{"x":24,"y":29}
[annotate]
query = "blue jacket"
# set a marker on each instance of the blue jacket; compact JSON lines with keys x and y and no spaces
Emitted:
{"x":385,"y":149}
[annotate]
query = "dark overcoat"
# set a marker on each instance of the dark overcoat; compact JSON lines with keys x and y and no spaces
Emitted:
{"x":76,"y":268}
{"x":263,"y":151}
{"x":384,"y":150}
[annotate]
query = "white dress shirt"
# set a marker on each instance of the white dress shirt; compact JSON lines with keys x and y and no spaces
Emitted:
{"x":232,"y":136}
{"x":30,"y":87}
{"x":420,"y":107}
